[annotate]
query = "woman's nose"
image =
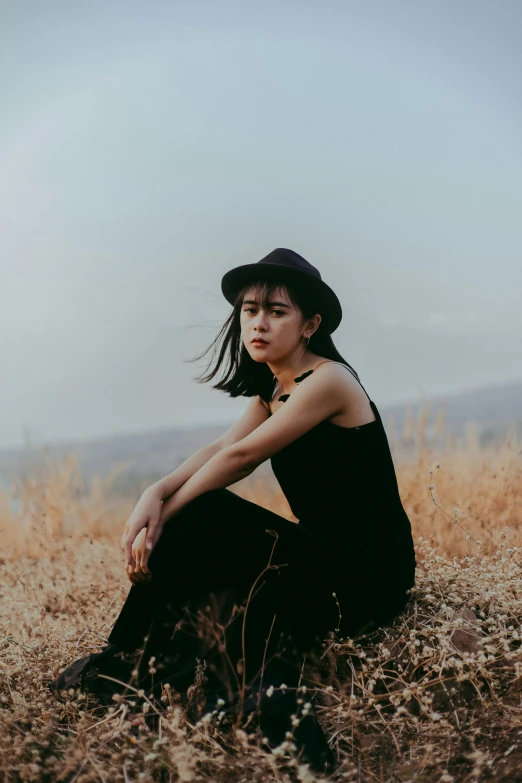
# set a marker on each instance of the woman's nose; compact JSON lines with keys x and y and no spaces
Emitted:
{"x":260,"y":321}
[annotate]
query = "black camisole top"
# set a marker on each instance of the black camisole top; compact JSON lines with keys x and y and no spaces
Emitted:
{"x":340,"y":483}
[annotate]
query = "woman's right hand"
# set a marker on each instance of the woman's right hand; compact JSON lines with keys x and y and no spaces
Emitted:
{"x":146,"y":514}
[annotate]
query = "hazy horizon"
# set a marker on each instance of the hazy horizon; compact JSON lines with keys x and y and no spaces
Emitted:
{"x":148,"y":149}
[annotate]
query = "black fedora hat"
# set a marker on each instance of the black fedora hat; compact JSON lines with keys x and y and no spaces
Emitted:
{"x":287,"y":266}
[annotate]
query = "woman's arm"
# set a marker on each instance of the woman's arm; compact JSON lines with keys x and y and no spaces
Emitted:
{"x":178,"y":488}
{"x":170,"y":484}
{"x":254,"y":415}
{"x":226,"y":467}
{"x":150,"y":506}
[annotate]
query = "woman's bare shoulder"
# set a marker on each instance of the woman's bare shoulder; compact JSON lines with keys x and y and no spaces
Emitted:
{"x":356,"y":408}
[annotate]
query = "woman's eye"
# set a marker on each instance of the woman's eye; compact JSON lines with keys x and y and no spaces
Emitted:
{"x":252,"y":310}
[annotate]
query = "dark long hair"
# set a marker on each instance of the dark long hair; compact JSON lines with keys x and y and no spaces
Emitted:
{"x":243,"y":376}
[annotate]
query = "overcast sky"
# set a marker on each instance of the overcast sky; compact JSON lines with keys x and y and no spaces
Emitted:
{"x":148,"y":147}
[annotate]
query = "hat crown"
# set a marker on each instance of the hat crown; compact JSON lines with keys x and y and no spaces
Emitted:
{"x":283,"y":256}
{"x":286,"y":266}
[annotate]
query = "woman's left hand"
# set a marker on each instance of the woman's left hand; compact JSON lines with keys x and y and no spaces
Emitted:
{"x":140,"y":552}
{"x":139,"y":573}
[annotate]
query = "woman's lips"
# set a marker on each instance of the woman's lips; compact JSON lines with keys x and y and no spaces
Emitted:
{"x":259,"y":344}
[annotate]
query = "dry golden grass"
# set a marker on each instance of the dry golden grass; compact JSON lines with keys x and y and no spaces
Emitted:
{"x":437,"y":696}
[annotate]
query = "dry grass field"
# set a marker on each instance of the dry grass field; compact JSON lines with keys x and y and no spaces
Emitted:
{"x":437,"y":696}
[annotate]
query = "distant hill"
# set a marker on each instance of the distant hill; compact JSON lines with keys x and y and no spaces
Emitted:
{"x":491,"y":411}
{"x":143,"y":458}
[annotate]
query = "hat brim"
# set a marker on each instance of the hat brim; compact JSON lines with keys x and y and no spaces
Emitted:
{"x":327,"y":299}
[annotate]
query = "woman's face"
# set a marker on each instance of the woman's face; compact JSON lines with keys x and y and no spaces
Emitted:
{"x":281,"y":326}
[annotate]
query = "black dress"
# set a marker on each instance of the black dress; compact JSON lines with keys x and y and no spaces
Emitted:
{"x":345,"y":567}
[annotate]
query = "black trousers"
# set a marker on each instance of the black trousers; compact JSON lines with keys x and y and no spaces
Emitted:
{"x":221,"y":541}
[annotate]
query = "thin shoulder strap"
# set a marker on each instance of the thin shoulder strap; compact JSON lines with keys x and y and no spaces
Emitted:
{"x":315,"y":368}
{"x":350,"y":370}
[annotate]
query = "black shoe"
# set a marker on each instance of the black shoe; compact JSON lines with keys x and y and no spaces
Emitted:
{"x":74,"y":675}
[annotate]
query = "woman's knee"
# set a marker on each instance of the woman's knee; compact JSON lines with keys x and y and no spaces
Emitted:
{"x":198,"y":524}
{"x":211,"y":502}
